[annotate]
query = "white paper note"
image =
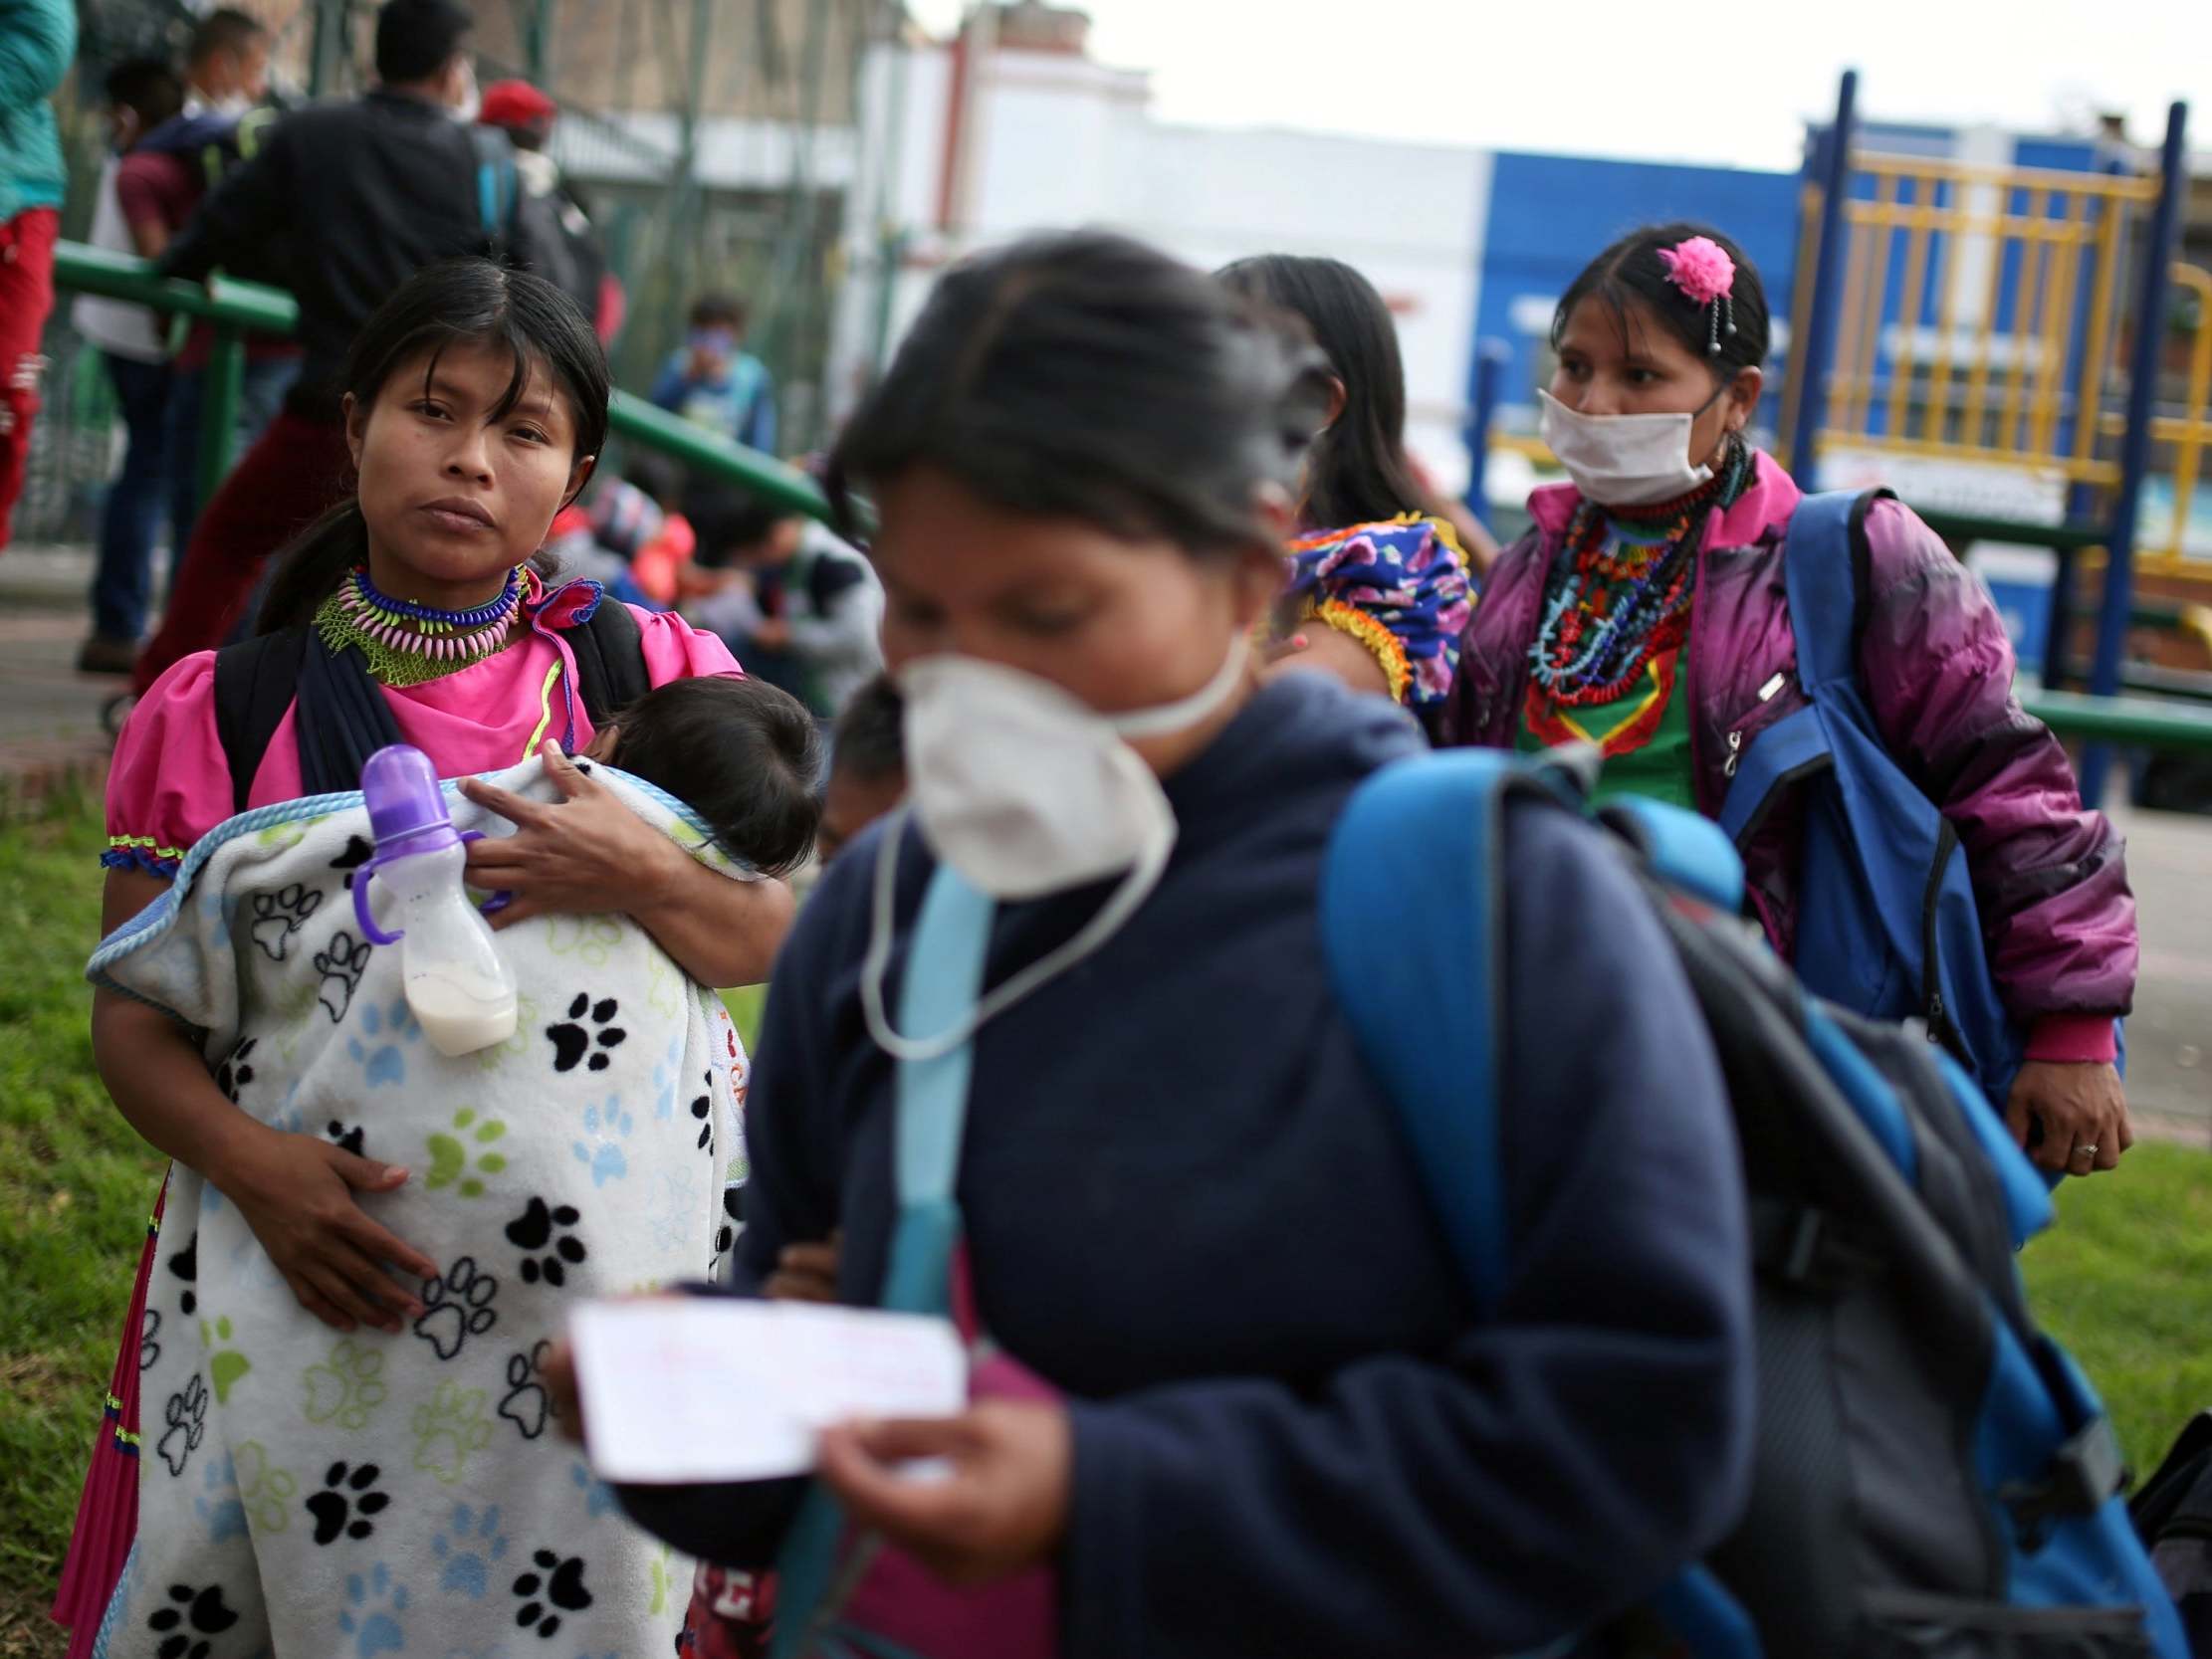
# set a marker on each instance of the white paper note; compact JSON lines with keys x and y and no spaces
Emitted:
{"x":683,"y":1389}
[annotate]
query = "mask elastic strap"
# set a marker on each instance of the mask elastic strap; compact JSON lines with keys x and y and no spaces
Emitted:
{"x":875,"y":966}
{"x":1188,"y":711}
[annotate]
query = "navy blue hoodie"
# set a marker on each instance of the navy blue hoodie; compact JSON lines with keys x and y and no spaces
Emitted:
{"x":1189,"y":1207}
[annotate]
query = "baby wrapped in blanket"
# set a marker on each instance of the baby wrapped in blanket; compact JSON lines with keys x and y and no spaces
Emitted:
{"x":303,"y":1491}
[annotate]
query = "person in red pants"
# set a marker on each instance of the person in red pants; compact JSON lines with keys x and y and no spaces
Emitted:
{"x":37,"y":40}
{"x":363,"y":195}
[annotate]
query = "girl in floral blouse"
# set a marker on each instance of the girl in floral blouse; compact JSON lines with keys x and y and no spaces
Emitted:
{"x":1381,"y":574}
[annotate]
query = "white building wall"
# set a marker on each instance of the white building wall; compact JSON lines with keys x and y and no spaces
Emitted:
{"x":1062,"y":142}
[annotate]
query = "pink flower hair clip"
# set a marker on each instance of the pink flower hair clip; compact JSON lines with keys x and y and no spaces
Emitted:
{"x":1706,"y":276}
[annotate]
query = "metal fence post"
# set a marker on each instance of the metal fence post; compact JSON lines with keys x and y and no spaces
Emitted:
{"x":1815,"y":341}
{"x":2135,"y":443}
{"x":226,"y":386}
{"x":1491,"y":357}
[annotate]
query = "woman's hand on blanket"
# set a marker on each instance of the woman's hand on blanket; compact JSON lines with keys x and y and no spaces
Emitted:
{"x":1000,"y":1507}
{"x":586,"y":853}
{"x":297,"y":1192}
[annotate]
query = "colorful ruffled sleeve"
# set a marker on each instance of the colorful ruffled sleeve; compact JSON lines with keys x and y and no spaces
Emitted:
{"x":1401,"y":587}
{"x":169,"y":783}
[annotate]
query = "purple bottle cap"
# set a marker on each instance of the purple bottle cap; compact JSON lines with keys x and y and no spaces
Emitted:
{"x":407,"y":808}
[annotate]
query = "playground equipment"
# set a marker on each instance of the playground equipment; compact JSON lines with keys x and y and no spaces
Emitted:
{"x":1989,"y":341}
{"x":1996,"y":329}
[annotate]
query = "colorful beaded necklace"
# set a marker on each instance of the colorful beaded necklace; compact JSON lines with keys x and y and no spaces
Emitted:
{"x":1619,"y":593}
{"x":407,"y":644}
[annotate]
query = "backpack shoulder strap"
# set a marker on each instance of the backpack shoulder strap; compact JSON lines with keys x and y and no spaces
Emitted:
{"x":610,"y":660}
{"x":1685,"y":850}
{"x":1823,"y":569}
{"x":942,"y":979}
{"x":1411,"y":920}
{"x":256,"y":681}
{"x":343,"y":718}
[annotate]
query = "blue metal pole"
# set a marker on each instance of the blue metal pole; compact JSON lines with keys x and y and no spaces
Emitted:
{"x":2134,"y":444}
{"x":1815,"y":335}
{"x":2058,"y":651}
{"x":1491,"y":358}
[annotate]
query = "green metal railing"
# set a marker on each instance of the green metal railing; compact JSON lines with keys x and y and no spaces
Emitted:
{"x":236,"y":309}
{"x":2137,"y":722}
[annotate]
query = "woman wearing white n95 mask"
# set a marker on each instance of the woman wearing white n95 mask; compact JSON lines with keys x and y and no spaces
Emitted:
{"x":1275,"y":1424}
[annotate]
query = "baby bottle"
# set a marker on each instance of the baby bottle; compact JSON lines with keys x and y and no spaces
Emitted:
{"x":455,"y":982}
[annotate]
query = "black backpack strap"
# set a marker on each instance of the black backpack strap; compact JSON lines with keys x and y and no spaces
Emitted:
{"x":610,"y":660}
{"x":343,"y":719}
{"x":255,"y":683}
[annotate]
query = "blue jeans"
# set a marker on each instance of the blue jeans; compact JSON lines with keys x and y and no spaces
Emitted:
{"x":260,"y":397}
{"x":130,"y":518}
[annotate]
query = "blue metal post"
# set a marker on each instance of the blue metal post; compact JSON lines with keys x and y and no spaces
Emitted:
{"x":1492,"y":360}
{"x":1813,"y":335}
{"x":2134,"y":444}
{"x":2058,"y":651}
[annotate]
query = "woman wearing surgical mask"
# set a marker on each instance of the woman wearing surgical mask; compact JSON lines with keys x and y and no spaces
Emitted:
{"x":1644,"y":611}
{"x":1270,"y":1421}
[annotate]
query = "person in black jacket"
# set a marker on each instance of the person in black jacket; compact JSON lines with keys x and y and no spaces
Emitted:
{"x":361,"y":195}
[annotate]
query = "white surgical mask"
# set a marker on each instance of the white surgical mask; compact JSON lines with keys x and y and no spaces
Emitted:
{"x":1623,"y":460}
{"x":1026,"y":790}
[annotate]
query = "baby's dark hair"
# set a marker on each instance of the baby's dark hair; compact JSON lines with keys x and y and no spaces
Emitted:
{"x":740,"y":754}
{"x":1632,"y":270}
{"x":868,"y":742}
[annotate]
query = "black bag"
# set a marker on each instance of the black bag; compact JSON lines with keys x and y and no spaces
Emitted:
{"x":2173,"y":1513}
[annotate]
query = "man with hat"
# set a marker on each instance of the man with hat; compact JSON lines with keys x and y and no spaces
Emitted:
{"x":572,"y":256}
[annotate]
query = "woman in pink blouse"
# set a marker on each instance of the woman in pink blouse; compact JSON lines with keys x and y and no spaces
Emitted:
{"x":477,"y":407}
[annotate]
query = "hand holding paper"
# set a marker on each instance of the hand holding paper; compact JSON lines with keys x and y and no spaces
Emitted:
{"x":681,"y":1390}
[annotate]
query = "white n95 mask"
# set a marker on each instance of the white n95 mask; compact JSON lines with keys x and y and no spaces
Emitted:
{"x":1026,"y":790}
{"x":1623,"y":460}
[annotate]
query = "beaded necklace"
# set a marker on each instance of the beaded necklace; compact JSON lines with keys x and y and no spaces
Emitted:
{"x":1619,"y":593}
{"x":407,"y":643}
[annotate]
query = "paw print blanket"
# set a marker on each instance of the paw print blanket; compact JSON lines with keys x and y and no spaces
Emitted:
{"x":307,"y":1492}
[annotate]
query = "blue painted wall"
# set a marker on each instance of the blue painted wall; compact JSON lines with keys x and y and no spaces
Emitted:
{"x":1550,"y":213}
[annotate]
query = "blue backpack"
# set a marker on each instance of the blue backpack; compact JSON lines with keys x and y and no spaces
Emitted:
{"x":1887,"y":926}
{"x":1934,"y":1476}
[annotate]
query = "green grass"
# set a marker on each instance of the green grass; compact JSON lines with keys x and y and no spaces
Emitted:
{"x":2125,"y":1279}
{"x":75,"y":1185}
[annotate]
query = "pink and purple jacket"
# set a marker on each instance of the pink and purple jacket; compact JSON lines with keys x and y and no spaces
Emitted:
{"x":2049,"y":874}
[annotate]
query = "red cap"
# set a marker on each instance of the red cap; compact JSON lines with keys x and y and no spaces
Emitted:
{"x":516,"y":103}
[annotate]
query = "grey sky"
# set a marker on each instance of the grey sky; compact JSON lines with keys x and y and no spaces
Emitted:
{"x":1727,"y":82}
